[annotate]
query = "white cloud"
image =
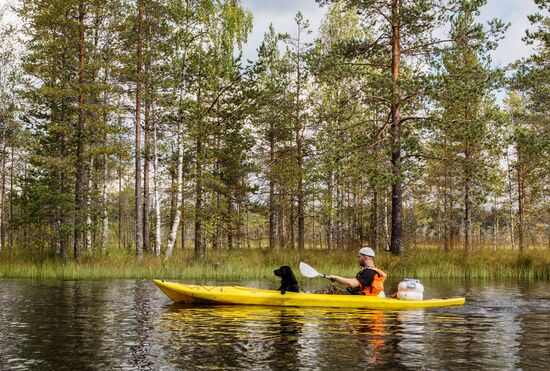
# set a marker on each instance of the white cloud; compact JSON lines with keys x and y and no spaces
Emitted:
{"x":514,"y":12}
{"x":281,"y":13}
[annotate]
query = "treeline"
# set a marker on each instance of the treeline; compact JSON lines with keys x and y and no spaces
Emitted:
{"x":137,"y":124}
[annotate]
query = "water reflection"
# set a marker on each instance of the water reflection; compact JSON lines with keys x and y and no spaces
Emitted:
{"x":280,"y":337}
{"x":236,"y":336}
{"x":131,"y":324}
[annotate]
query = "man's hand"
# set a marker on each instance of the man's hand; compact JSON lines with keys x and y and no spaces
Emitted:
{"x":330,"y":278}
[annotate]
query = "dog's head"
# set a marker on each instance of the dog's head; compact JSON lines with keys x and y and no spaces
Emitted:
{"x":283,"y":271}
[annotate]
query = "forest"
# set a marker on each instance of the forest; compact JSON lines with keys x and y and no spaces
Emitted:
{"x":137,"y":125}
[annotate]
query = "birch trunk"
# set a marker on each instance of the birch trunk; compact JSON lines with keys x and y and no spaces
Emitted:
{"x":175,"y":223}
{"x":3,"y":199}
{"x":89,"y":206}
{"x":11,"y":202}
{"x":179,"y":169}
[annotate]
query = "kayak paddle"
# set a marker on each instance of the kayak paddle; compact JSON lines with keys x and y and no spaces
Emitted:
{"x":308,"y":271}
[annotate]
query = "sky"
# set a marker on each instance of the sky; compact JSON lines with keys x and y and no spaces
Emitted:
{"x":281,"y":13}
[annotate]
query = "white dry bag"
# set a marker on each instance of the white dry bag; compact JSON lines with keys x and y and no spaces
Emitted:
{"x":410,"y":289}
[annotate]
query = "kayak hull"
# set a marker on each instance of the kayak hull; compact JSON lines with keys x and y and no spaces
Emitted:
{"x":179,"y":292}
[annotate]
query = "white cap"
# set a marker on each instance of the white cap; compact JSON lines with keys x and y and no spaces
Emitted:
{"x":366,"y":251}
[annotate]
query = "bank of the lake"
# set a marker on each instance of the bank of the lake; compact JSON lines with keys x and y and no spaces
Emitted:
{"x":259,"y":264}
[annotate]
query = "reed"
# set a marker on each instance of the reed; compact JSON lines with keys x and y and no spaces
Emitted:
{"x":257,"y":264}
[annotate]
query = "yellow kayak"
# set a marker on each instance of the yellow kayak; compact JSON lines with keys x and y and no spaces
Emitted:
{"x":179,"y":292}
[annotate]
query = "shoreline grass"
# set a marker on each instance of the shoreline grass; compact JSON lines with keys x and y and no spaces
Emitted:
{"x":259,"y":264}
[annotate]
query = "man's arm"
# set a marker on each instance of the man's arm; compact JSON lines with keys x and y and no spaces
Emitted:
{"x":348,"y":282}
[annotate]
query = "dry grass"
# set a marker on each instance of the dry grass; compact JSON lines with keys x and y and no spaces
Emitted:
{"x":259,"y":264}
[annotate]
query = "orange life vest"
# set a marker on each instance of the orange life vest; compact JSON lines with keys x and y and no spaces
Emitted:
{"x":377,"y":285}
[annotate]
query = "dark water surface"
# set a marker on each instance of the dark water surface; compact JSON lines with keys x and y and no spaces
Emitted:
{"x":129,"y":324}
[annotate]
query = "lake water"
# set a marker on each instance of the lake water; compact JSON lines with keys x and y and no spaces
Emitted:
{"x":131,"y":324}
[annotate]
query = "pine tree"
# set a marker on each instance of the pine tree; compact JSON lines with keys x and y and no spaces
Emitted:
{"x":468,"y":112}
{"x":404,"y":33}
{"x":272,"y":115}
{"x":528,"y":106}
{"x":10,"y":131}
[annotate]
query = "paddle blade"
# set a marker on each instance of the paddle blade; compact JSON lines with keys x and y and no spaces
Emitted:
{"x":308,"y":270}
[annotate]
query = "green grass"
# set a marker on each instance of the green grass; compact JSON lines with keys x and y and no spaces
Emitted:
{"x":259,"y":264}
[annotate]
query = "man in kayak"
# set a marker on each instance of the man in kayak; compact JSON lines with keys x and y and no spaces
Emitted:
{"x":369,"y":280}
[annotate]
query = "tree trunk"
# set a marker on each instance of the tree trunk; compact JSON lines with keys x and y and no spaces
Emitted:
{"x":3,"y":200}
{"x":89,"y":207}
{"x":359,"y":219}
{"x":272,"y":202}
{"x":239,"y":224}
{"x":247,"y":229}
{"x":313,"y":234}
{"x":521,"y":201}
{"x":218,"y":228}
{"x":105,"y":228}
{"x":138,"y":193}
{"x":216,"y":237}
{"x":79,"y":183}
{"x":495,"y":227}
{"x":156,"y":199}
{"x":183,"y":222}
{"x":446,"y":218}
{"x":300,"y":160}
{"x":510,"y":200}
{"x":468,"y":238}
{"x":374,"y":221}
{"x":147,"y":162}
{"x":63,"y":217}
{"x":330,"y":221}
{"x":11,"y":200}
{"x":179,"y":170}
{"x":104,"y":205}
{"x":229,"y":223}
{"x":396,"y":246}
{"x":119,"y":205}
{"x":349,"y":227}
{"x":446,"y":203}
{"x":173,"y":182}
{"x":291,"y":224}
{"x":199,"y":246}
{"x":339,"y":208}
{"x":281,"y":218}
{"x":387,"y":207}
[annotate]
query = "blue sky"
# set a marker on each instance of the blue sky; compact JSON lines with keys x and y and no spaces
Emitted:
{"x":281,"y":14}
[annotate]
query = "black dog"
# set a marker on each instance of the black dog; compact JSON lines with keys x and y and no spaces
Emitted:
{"x":288,"y":280}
